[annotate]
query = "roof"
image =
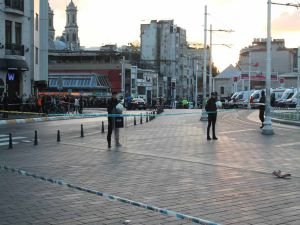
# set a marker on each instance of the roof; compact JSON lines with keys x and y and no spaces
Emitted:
{"x":229,"y":73}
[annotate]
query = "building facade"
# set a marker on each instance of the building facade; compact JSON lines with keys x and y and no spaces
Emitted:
{"x":252,"y":63}
{"x":21,"y":47}
{"x":163,"y":48}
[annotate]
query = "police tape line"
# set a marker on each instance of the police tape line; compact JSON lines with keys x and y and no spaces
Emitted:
{"x":162,"y":211}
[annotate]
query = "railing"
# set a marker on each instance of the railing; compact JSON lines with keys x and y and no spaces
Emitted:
{"x":286,"y":114}
{"x":14,"y":49}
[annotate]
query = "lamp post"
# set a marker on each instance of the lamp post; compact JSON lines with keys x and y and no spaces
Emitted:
{"x":123,"y":77}
{"x":204,"y":116}
{"x":249,"y":79}
{"x":268,"y":129}
{"x":298,"y":92}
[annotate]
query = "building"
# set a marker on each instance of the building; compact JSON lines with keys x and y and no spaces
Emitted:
{"x":163,"y":48}
{"x":20,"y":60}
{"x":99,"y":72}
{"x":252,"y":61}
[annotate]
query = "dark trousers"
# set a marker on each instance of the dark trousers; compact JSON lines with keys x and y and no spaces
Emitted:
{"x":109,"y":129}
{"x":262,"y":115}
{"x":212,"y":118}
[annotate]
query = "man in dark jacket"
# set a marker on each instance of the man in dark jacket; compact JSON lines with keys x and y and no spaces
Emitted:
{"x":111,"y":109}
{"x":262,"y":102}
{"x":211,"y":109}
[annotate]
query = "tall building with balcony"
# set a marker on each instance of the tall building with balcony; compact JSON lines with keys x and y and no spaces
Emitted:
{"x":22,"y":46}
{"x":163,"y":48}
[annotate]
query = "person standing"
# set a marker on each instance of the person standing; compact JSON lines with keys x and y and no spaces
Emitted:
{"x":262,"y":102}
{"x":211,"y":109}
{"x":112,"y":111}
{"x":76,"y":105}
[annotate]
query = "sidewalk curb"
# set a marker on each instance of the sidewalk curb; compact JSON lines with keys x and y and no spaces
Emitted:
{"x":39,"y":119}
{"x":288,"y":122}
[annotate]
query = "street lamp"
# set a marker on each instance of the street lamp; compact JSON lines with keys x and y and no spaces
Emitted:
{"x":268,"y":129}
{"x":123,"y":76}
{"x":204,"y":115}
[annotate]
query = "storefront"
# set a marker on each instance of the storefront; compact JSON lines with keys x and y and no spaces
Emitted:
{"x":11,"y":76}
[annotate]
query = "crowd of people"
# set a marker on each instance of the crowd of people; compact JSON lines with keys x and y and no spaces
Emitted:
{"x":49,"y":104}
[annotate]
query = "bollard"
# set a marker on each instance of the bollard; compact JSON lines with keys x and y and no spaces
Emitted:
{"x":147,"y":119}
{"x":141,"y":119}
{"x":35,"y":138}
{"x":102,"y":129}
{"x":10,"y":143}
{"x":81,"y":133}
{"x":134,"y":120}
{"x":58,"y":136}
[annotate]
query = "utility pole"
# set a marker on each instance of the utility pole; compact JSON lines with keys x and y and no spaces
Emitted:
{"x":268,"y":129}
{"x":123,"y":77}
{"x":204,"y":116}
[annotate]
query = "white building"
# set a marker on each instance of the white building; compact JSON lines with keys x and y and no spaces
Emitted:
{"x":21,"y":46}
{"x":252,"y":61}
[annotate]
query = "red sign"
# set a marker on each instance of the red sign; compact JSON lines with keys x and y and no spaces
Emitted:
{"x":258,"y":77}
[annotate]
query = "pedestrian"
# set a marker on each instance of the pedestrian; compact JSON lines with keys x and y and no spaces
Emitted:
{"x":261,"y":107}
{"x":80,"y":105}
{"x":211,"y":109}
{"x":112,"y":111}
{"x":76,"y":105}
{"x":5,"y":105}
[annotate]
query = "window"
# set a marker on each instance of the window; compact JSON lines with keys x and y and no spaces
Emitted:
{"x":36,"y":55}
{"x":37,"y":22}
{"x":141,"y":90}
{"x":73,"y":19}
{"x":74,"y":37}
{"x":222,"y":90}
{"x":8,"y":32}
{"x":18,"y":33}
{"x":140,"y":75}
{"x":15,"y":4}
{"x":1,"y":87}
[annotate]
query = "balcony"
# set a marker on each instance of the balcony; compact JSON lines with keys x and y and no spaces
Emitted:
{"x":14,"y":49}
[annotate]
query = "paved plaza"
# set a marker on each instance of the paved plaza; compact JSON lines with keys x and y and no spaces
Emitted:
{"x":166,"y":163}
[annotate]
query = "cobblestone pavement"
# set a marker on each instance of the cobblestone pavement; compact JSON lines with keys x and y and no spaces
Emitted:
{"x":167,"y":163}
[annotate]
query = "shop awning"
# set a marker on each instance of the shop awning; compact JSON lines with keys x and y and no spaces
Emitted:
{"x":13,"y":64}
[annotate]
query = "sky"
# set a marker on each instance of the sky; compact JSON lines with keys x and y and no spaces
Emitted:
{"x":118,"y":22}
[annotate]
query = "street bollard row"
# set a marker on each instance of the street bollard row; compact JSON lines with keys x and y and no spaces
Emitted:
{"x":149,"y":117}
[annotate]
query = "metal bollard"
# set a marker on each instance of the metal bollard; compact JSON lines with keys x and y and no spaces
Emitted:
{"x":102,"y":128}
{"x":58,"y":136}
{"x":10,"y":143}
{"x":134,"y":120}
{"x":147,"y":119}
{"x":35,"y":138}
{"x":141,"y":119}
{"x":81,"y":133}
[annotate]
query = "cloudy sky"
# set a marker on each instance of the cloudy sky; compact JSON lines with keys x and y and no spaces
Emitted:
{"x":118,"y":22}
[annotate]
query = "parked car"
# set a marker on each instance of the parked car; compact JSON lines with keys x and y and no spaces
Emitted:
{"x":288,"y":93}
{"x":240,"y":99}
{"x":138,"y":103}
{"x":292,"y":101}
{"x":276,"y":94}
